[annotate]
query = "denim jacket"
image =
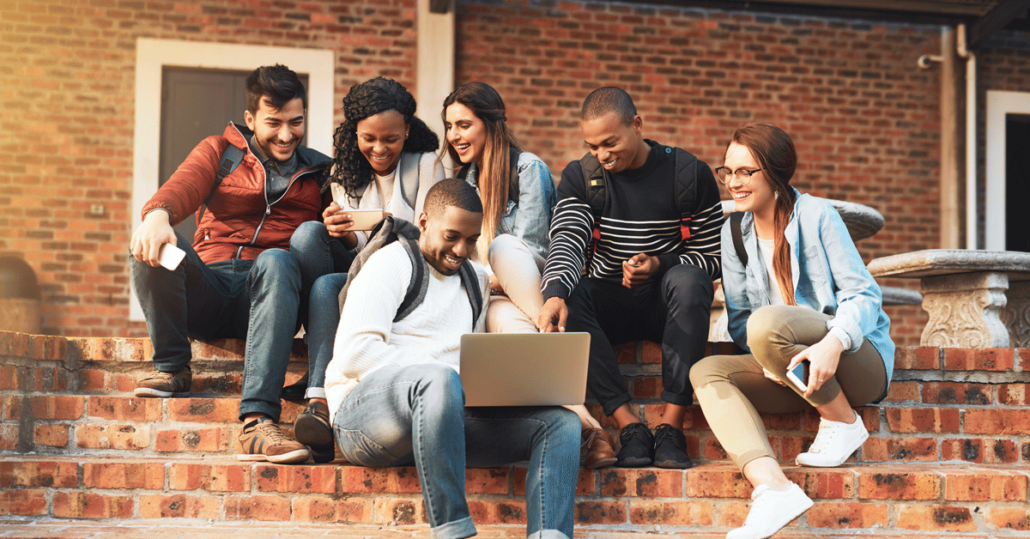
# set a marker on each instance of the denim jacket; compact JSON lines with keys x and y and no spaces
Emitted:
{"x":830,"y":278}
{"x":529,"y":218}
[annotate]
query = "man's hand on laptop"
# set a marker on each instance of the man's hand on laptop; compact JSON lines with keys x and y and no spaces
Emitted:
{"x":638,"y":270}
{"x":154,"y":232}
{"x":552,"y":316}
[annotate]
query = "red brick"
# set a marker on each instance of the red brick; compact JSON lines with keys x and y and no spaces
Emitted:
{"x":984,"y":485}
{"x":924,"y":420}
{"x":347,"y":510}
{"x":124,"y":408}
{"x":497,"y":512}
{"x":1009,"y":518}
{"x":717,"y":482}
{"x":298,"y":479}
{"x":486,"y":481}
{"x":212,"y":477}
{"x":49,"y":379}
{"x":94,"y":381}
{"x":956,"y":393}
{"x":647,"y":387}
{"x":223,"y":383}
{"x":47,"y":347}
{"x":399,"y":511}
{"x":650,"y":352}
{"x":92,"y":505}
{"x":586,"y":483}
{"x":23,"y":502}
{"x":792,"y":446}
{"x":997,"y":421}
{"x":14,"y":405}
{"x":901,"y":449}
{"x":733,"y":514}
{"x":917,"y":358}
{"x":8,"y":376}
{"x":111,"y":436}
{"x":220,"y":349}
{"x":986,"y":359}
{"x":886,"y":484}
{"x":671,"y":513}
{"x":123,"y":475}
{"x":267,"y":508}
{"x":8,"y":437}
{"x":600,"y":512}
{"x":359,"y":479}
{"x":1014,"y":394}
{"x":847,"y":515}
{"x":986,"y":451}
{"x":825,"y":484}
{"x":934,"y":518}
{"x":903,"y":392}
{"x":626,"y":353}
{"x":50,"y":435}
{"x":204,"y":410}
{"x":56,"y":407}
{"x":649,"y":482}
{"x":51,"y":474}
{"x":15,"y":344}
{"x":215,"y":440}
{"x":152,"y":506}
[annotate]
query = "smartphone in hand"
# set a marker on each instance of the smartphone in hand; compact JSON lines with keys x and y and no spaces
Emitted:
{"x":170,"y":256}
{"x":799,"y":375}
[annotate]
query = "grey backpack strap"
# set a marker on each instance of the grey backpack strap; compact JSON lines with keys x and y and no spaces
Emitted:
{"x":473,"y":290}
{"x":231,"y":158}
{"x":418,"y":285}
{"x":407,"y":171}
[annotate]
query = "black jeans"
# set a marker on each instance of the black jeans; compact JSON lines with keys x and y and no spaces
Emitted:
{"x":673,"y":310}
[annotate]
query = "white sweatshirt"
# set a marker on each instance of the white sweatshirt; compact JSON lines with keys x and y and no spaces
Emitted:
{"x":368,"y":338}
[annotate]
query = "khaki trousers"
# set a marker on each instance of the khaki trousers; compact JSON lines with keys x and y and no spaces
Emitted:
{"x":732,"y":390}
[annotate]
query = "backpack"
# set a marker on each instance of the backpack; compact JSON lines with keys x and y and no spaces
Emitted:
{"x":513,"y":176}
{"x":407,"y":178}
{"x":685,"y":171}
{"x":738,"y":239}
{"x":391,"y":230}
{"x":231,"y":158}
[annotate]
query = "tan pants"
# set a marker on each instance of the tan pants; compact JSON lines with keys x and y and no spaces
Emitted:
{"x":518,"y":270}
{"x":732,"y":390}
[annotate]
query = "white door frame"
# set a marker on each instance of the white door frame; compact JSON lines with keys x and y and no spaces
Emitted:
{"x":999,"y":105}
{"x":153,"y":54}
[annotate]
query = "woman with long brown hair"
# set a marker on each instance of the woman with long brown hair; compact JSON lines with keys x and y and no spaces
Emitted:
{"x":518,"y":198}
{"x":798,"y":295}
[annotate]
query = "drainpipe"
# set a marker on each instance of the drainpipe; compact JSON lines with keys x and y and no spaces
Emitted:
{"x":972,"y":217}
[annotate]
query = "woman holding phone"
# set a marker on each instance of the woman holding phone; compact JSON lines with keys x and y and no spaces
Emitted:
{"x":801,"y":296}
{"x":518,"y":197}
{"x":385,"y":163}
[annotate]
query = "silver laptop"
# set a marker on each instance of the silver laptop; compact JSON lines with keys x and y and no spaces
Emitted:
{"x":524,"y":369}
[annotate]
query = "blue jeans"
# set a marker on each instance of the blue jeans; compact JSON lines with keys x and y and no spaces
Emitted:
{"x":321,"y":258}
{"x":231,"y":299}
{"x":399,"y":416}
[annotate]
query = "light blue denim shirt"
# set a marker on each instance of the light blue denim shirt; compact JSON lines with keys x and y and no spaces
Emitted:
{"x":529,"y":219}
{"x":830,"y":278}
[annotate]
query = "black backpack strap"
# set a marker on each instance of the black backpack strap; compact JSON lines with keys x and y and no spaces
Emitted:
{"x":419,"y":284}
{"x":463,"y":173}
{"x":684,"y":186}
{"x":738,"y":238}
{"x":472,"y":289}
{"x":595,"y":186}
{"x":231,"y":158}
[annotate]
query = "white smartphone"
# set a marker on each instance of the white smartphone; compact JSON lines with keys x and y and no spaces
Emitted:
{"x":365,"y":219}
{"x":170,"y":256}
{"x":797,"y":375}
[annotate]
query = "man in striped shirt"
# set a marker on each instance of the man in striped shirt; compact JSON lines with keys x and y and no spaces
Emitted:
{"x":634,"y":248}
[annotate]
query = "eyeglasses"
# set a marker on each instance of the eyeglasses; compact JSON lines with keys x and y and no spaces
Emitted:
{"x":724,"y":174}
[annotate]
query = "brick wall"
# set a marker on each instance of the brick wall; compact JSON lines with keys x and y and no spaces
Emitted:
{"x":67,"y":95}
{"x":864,"y":118}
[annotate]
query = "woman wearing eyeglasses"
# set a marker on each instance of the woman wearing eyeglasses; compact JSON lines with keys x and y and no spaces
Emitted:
{"x":803,"y":296}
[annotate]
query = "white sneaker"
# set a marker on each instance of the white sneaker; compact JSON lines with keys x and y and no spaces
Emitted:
{"x":771,"y":510}
{"x":834,"y":443}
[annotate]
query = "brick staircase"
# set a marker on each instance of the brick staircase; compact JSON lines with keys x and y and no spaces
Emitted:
{"x":948,"y":456}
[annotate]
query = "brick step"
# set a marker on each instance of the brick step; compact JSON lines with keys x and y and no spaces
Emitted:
{"x":117,"y":424}
{"x":158,"y":529}
{"x":708,"y":498}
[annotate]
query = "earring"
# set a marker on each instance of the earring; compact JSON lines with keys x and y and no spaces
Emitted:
{"x":405,"y":136}
{"x":776,"y":195}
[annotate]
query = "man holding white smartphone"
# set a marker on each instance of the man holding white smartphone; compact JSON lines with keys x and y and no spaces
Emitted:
{"x":255,"y":185}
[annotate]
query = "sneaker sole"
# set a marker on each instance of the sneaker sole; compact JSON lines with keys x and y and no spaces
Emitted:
{"x":308,"y":430}
{"x":297,"y":455}
{"x":799,"y":458}
{"x":601,"y":463}
{"x":778,"y":525}
{"x":635,"y":463}
{"x":674,"y":464}
{"x":147,"y":392}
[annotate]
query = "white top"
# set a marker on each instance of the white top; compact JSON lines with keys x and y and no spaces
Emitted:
{"x":430,"y":171}
{"x":766,"y":246}
{"x":368,"y":338}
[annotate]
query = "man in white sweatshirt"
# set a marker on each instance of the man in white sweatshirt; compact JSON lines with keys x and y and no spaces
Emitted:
{"x":394,"y":391}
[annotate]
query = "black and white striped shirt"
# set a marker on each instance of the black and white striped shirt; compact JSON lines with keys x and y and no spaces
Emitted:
{"x":640,"y":216}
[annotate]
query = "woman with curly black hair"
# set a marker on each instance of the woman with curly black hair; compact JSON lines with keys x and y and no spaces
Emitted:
{"x":385,"y":160}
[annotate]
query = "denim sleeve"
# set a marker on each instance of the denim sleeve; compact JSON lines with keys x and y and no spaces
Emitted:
{"x":536,"y":203}
{"x":858,"y":295}
{"x":734,"y":288}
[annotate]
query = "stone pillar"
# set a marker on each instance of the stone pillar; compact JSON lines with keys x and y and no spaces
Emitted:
{"x":965,"y":310}
{"x":1016,"y":314}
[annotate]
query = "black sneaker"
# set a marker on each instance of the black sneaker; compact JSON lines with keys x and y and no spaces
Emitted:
{"x":312,"y":429}
{"x":637,"y":446}
{"x":296,"y":390}
{"x":670,"y":448}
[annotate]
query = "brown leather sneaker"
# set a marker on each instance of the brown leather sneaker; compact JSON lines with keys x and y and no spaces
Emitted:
{"x":166,"y":384}
{"x":261,"y":439}
{"x":597,"y":449}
